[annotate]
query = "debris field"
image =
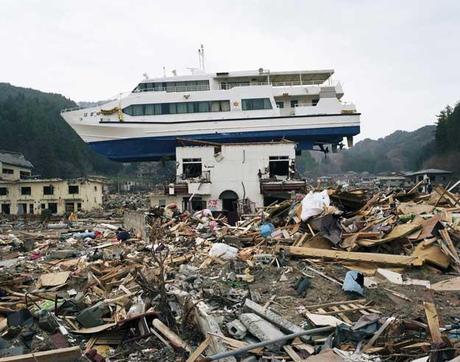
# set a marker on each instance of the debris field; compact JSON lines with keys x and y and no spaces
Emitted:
{"x":333,"y":275}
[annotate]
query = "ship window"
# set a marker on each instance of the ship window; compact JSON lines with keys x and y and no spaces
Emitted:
{"x":149,"y":109}
{"x":203,"y":107}
{"x":314,"y":101}
{"x":225,"y":106}
{"x":294,"y":103}
{"x":181,"y":107}
{"x":174,"y":108}
{"x":138,"y":109}
{"x":215,"y":107}
{"x":256,"y":103}
{"x":186,"y":86}
{"x":280,"y":104}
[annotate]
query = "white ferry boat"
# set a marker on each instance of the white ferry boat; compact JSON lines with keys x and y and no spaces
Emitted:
{"x":262,"y":105}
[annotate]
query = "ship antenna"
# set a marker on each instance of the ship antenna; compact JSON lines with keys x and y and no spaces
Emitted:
{"x":164,"y":72}
{"x":201,"y":57}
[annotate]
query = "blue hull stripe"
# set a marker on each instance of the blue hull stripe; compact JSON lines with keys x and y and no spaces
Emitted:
{"x":156,"y":148}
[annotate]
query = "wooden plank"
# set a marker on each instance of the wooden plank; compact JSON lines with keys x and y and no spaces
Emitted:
{"x":54,"y":355}
{"x":341,"y":314}
{"x":389,"y":259}
{"x":337,"y":311}
{"x":378,"y":333}
{"x":175,"y":340}
{"x":199,"y":350}
{"x":359,"y":308}
{"x":334,"y":303}
{"x":345,"y":308}
{"x":293,"y":354}
{"x":433,"y":321}
{"x":399,"y":231}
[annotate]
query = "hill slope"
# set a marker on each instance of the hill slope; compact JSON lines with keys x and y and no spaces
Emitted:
{"x":30,"y":123}
{"x":399,"y":151}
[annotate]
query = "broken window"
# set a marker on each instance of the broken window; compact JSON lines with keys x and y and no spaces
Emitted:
{"x":6,"y":209}
{"x":69,"y":207}
{"x":52,"y":206}
{"x":191,"y":167}
{"x":3,"y":191}
{"x":48,"y":190}
{"x":8,"y":171}
{"x":24,"y":174}
{"x":26,"y":190}
{"x":196,"y":204}
{"x":31,"y":209}
{"x":278,"y":166}
{"x":79,"y":206}
{"x":73,"y":189}
{"x":22,"y":209}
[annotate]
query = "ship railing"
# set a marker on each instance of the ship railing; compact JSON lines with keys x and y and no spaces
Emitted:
{"x":230,"y":85}
{"x":71,"y":109}
{"x":180,"y":88}
{"x":343,"y":103}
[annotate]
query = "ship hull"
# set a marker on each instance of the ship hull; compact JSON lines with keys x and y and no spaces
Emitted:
{"x":156,"y":148}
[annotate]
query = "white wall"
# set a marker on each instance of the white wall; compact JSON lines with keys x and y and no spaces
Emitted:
{"x":240,"y":165}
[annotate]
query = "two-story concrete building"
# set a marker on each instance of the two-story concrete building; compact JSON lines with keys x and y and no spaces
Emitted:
{"x":13,"y":166}
{"x":231,"y":177}
{"x":21,"y":194}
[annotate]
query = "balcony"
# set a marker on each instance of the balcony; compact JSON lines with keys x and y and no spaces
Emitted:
{"x":199,"y":188}
{"x":204,"y":177}
{"x":268,"y":186}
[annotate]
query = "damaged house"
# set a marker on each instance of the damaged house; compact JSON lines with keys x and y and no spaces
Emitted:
{"x":231,"y":178}
{"x":20,"y":194}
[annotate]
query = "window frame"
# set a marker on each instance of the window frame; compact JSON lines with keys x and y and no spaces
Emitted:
{"x":73,"y":193}
{"x":256,"y":104}
{"x":51,"y":190}
{"x":23,"y":188}
{"x":136,"y":110}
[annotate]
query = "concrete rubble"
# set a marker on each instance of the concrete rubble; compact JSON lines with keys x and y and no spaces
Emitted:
{"x":331,"y":275}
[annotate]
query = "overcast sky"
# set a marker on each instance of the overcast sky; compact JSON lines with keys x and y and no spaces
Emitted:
{"x":397,"y":60}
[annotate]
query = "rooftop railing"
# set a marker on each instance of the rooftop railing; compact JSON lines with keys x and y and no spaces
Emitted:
{"x":279,"y":84}
{"x":180,"y":88}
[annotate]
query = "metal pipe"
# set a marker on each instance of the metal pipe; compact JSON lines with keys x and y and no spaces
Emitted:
{"x":235,"y":352}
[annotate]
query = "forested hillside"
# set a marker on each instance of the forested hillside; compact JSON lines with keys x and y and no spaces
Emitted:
{"x":398,"y":151}
{"x":30,"y":123}
{"x":447,"y":140}
{"x":435,"y":146}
